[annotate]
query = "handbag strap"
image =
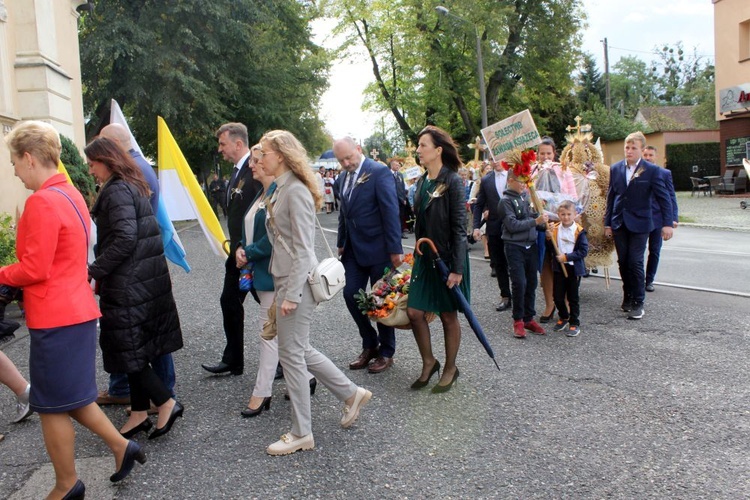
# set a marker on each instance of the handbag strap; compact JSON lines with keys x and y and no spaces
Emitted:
{"x":80,"y":217}
{"x":269,"y":207}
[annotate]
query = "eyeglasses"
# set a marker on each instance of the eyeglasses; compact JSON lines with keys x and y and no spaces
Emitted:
{"x":264,"y":153}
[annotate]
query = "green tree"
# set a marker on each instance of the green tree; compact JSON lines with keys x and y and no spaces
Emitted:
{"x":609,"y":125}
{"x":631,"y":86}
{"x":591,"y":85}
{"x":425,"y":64}
{"x":77,"y":169}
{"x":199,"y":64}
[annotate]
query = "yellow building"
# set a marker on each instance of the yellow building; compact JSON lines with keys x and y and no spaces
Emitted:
{"x":40,"y":77}
{"x":732,"y":44}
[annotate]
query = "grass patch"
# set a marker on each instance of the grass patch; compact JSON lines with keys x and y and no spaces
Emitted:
{"x":689,"y":220}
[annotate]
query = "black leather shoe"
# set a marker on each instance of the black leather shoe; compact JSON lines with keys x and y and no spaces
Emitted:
{"x":250,"y":412}
{"x":504,"y":306}
{"x":132,"y":453}
{"x":144,"y":426}
{"x":419,"y":384}
{"x":313,"y":386}
{"x":77,"y":492}
{"x":548,"y":318}
{"x":222,"y":367}
{"x":650,"y":287}
{"x":177,"y":410}
{"x":445,"y":388}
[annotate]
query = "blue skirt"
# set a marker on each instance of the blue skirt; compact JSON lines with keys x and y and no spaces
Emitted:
{"x":62,"y":367}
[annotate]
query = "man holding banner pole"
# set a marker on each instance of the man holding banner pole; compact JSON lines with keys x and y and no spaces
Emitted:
{"x":242,"y":189}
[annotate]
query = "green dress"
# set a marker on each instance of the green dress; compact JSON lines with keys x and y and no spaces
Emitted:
{"x":427,"y":291}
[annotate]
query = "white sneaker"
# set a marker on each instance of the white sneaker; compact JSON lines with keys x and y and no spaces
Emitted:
{"x":23,"y":408}
{"x":289,"y":443}
{"x":351,"y":413}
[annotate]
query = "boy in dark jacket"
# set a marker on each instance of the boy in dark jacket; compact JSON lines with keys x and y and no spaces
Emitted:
{"x":519,"y":238}
{"x":574,"y":246}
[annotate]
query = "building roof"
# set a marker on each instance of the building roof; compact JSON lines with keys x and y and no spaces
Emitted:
{"x":666,"y":118}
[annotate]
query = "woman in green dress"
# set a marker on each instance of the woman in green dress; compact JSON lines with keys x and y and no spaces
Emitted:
{"x":440,"y":216}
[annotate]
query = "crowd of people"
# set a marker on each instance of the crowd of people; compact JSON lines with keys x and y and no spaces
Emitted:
{"x":271,"y":203}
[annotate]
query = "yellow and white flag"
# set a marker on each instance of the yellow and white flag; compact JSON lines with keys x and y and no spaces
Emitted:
{"x":181,"y":192}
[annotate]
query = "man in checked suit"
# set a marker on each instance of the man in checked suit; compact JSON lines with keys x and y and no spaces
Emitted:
{"x":369,"y":240}
{"x":488,"y":199}
{"x":634,"y":184}
{"x":233,"y":145}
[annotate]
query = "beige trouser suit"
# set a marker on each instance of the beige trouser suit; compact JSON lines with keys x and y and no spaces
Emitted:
{"x":291,"y":226}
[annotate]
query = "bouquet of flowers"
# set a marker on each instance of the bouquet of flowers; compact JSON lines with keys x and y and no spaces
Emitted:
{"x":386,"y":302}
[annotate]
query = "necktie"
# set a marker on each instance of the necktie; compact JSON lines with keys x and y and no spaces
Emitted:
{"x":349,"y":185}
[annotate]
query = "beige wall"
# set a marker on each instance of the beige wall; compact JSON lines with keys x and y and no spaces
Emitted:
{"x":731,"y":68}
{"x":40,"y":77}
{"x":613,"y":151}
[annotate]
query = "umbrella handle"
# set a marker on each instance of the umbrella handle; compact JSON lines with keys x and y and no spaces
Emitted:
{"x":429,"y":242}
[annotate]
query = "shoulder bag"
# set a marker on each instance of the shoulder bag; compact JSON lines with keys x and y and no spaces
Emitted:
{"x":327,"y":278}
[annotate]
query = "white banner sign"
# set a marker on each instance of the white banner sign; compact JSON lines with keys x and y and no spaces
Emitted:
{"x":516,"y":132}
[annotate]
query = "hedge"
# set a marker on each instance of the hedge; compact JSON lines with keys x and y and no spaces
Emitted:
{"x":682,"y":157}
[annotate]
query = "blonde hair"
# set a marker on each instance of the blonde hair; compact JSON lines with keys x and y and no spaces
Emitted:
{"x":39,"y":139}
{"x":636,"y":137}
{"x":295,"y":157}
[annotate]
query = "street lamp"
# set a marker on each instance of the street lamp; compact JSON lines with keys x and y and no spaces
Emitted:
{"x":480,"y":66}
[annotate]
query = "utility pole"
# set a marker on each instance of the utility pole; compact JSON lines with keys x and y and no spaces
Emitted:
{"x":606,"y":74}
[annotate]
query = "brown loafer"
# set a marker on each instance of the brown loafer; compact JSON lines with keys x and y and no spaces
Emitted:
{"x":364,"y":359}
{"x":104,"y":399}
{"x":153,"y":410}
{"x":380,"y":365}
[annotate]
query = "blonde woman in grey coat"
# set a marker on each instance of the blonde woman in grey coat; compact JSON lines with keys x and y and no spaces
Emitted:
{"x":292,"y":201}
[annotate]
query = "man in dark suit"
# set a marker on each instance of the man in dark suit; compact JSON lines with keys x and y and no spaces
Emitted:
{"x":369,"y":240}
{"x":242,"y":189}
{"x":660,"y":220}
{"x":403,"y":202}
{"x":634,"y":184}
{"x":488,"y":199}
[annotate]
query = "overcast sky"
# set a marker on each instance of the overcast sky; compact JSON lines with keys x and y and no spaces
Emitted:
{"x":632,"y":27}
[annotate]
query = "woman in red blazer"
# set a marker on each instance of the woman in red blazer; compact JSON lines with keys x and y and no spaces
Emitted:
{"x":61,"y":312}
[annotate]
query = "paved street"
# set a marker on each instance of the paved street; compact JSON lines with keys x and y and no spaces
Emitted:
{"x":630,"y":409}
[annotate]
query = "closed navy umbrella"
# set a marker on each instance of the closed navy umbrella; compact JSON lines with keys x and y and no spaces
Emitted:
{"x":463,"y":304}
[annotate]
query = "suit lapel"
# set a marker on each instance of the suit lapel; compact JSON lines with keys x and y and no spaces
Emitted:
{"x":357,"y":187}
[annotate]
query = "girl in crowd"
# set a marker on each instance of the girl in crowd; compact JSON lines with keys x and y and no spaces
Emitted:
{"x":61,"y":312}
{"x":291,"y":224}
{"x":139,"y":316}
{"x":441,"y":216}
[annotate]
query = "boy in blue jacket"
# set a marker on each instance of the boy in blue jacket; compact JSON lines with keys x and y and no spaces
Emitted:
{"x":574,"y":246}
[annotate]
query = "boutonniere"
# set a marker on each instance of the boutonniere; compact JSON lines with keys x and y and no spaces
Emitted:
{"x":637,"y":173}
{"x":238,"y":189}
{"x":438,"y":191}
{"x":363,"y":178}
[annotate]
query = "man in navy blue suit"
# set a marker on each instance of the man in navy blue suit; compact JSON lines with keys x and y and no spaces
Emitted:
{"x":369,"y":240}
{"x":660,"y":220}
{"x":634,"y":184}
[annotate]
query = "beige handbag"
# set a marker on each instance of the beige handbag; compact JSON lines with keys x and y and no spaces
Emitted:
{"x":269,"y":327}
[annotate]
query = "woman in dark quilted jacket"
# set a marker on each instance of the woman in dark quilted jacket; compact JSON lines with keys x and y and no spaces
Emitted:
{"x":139,"y":316}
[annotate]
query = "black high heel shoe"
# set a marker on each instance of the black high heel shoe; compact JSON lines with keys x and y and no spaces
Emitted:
{"x":313,"y":386}
{"x":177,"y":410}
{"x":77,"y":492}
{"x":419,"y":384}
{"x":144,"y":426}
{"x":445,"y":388}
{"x":252,"y":412}
{"x":133,"y":453}
{"x":547,"y":319}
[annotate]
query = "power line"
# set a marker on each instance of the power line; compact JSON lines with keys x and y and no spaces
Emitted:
{"x":710,"y":56}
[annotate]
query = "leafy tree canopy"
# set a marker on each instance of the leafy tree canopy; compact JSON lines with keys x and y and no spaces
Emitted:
{"x":425,"y":64}
{"x":199,"y":64}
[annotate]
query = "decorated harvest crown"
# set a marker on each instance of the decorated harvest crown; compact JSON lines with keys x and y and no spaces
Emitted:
{"x":520,"y":161}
